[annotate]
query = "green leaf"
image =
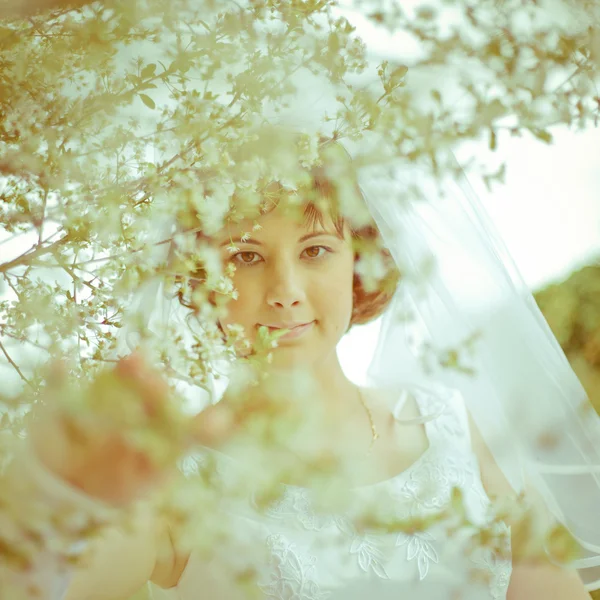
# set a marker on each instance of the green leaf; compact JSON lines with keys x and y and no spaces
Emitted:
{"x":543,"y":134}
{"x":133,"y":79}
{"x":204,"y":24}
{"x":333,"y":43}
{"x":148,"y":101}
{"x":494,"y":110}
{"x":148,"y":71}
{"x":426,"y":13}
{"x":493,"y":140}
{"x":182,"y":64}
{"x":398,"y":74}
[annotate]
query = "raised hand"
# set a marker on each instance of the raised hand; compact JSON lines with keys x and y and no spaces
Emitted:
{"x":115,"y":439}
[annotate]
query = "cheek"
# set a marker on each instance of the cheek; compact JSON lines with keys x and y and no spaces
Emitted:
{"x":335,"y":294}
{"x":242,"y":310}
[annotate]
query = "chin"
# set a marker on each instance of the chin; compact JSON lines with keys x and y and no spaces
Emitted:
{"x":289,"y":358}
{"x":293,"y":357}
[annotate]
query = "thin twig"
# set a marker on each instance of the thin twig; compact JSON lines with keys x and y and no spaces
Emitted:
{"x":44,"y":203}
{"x":577,"y":71}
{"x":33,"y":252}
{"x":12,"y":287}
{"x":16,"y":366}
{"x":35,"y":344}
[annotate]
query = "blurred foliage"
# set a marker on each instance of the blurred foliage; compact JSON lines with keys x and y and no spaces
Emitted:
{"x":113,"y":113}
{"x":572,"y":309}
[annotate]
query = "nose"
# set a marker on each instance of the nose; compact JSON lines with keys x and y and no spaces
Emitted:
{"x":285,"y":287}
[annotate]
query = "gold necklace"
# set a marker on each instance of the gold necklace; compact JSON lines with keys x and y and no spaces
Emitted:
{"x":374,"y":432}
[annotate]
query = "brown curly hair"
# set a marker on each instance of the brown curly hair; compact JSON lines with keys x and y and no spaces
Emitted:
{"x":366,"y":305}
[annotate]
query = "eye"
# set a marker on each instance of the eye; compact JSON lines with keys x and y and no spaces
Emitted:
{"x":314,"y":252}
{"x":246,"y":258}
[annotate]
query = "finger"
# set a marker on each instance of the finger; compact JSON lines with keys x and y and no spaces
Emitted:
{"x":213,"y":426}
{"x":57,"y":373}
{"x":132,"y":366}
{"x":151,"y":386}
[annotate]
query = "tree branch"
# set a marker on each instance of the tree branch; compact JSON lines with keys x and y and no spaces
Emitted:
{"x":33,"y":252}
{"x":14,"y":9}
{"x":15,"y":365}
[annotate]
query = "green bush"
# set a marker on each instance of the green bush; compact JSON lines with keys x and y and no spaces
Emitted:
{"x":572,"y":309}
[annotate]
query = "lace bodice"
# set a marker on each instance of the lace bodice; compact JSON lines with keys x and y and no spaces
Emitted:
{"x":309,"y":555}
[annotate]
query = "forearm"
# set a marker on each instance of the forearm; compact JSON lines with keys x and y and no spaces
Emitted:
{"x":45,"y":525}
{"x":43,"y":579}
{"x":545,"y":581}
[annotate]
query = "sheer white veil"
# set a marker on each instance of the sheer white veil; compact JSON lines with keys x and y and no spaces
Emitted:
{"x":462,"y":317}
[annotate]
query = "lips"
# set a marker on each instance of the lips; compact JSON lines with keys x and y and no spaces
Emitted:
{"x":295,"y":331}
{"x":286,"y":325}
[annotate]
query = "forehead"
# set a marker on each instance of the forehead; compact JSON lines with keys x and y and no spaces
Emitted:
{"x":280,"y":220}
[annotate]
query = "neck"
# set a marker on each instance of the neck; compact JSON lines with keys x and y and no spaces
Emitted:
{"x":318,"y":391}
{"x":326,"y":381}
{"x":323,"y":381}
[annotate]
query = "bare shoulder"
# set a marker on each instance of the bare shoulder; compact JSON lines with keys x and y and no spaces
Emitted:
{"x":497,"y":485}
{"x":386,"y":400}
{"x":494,"y":481}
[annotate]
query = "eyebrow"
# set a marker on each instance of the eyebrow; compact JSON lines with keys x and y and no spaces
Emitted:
{"x":249,"y":240}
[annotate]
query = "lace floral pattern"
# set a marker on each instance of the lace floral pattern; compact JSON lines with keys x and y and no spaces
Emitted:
{"x":293,"y":575}
{"x":428,"y":488}
{"x":365,"y":547}
{"x":295,"y":504}
{"x":419,"y":547}
{"x":369,"y":556}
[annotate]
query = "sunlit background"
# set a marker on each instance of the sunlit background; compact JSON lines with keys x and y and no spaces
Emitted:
{"x":548,"y":211}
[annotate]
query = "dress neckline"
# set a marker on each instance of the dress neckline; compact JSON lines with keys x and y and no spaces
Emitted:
{"x":405,"y":472}
{"x":394,"y":411}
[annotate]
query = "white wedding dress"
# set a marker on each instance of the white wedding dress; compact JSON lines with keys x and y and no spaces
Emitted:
{"x":310,"y":556}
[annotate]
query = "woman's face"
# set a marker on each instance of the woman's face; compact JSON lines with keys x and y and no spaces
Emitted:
{"x":291,"y":274}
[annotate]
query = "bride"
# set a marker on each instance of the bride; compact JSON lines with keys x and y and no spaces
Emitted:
{"x":406,"y":452}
